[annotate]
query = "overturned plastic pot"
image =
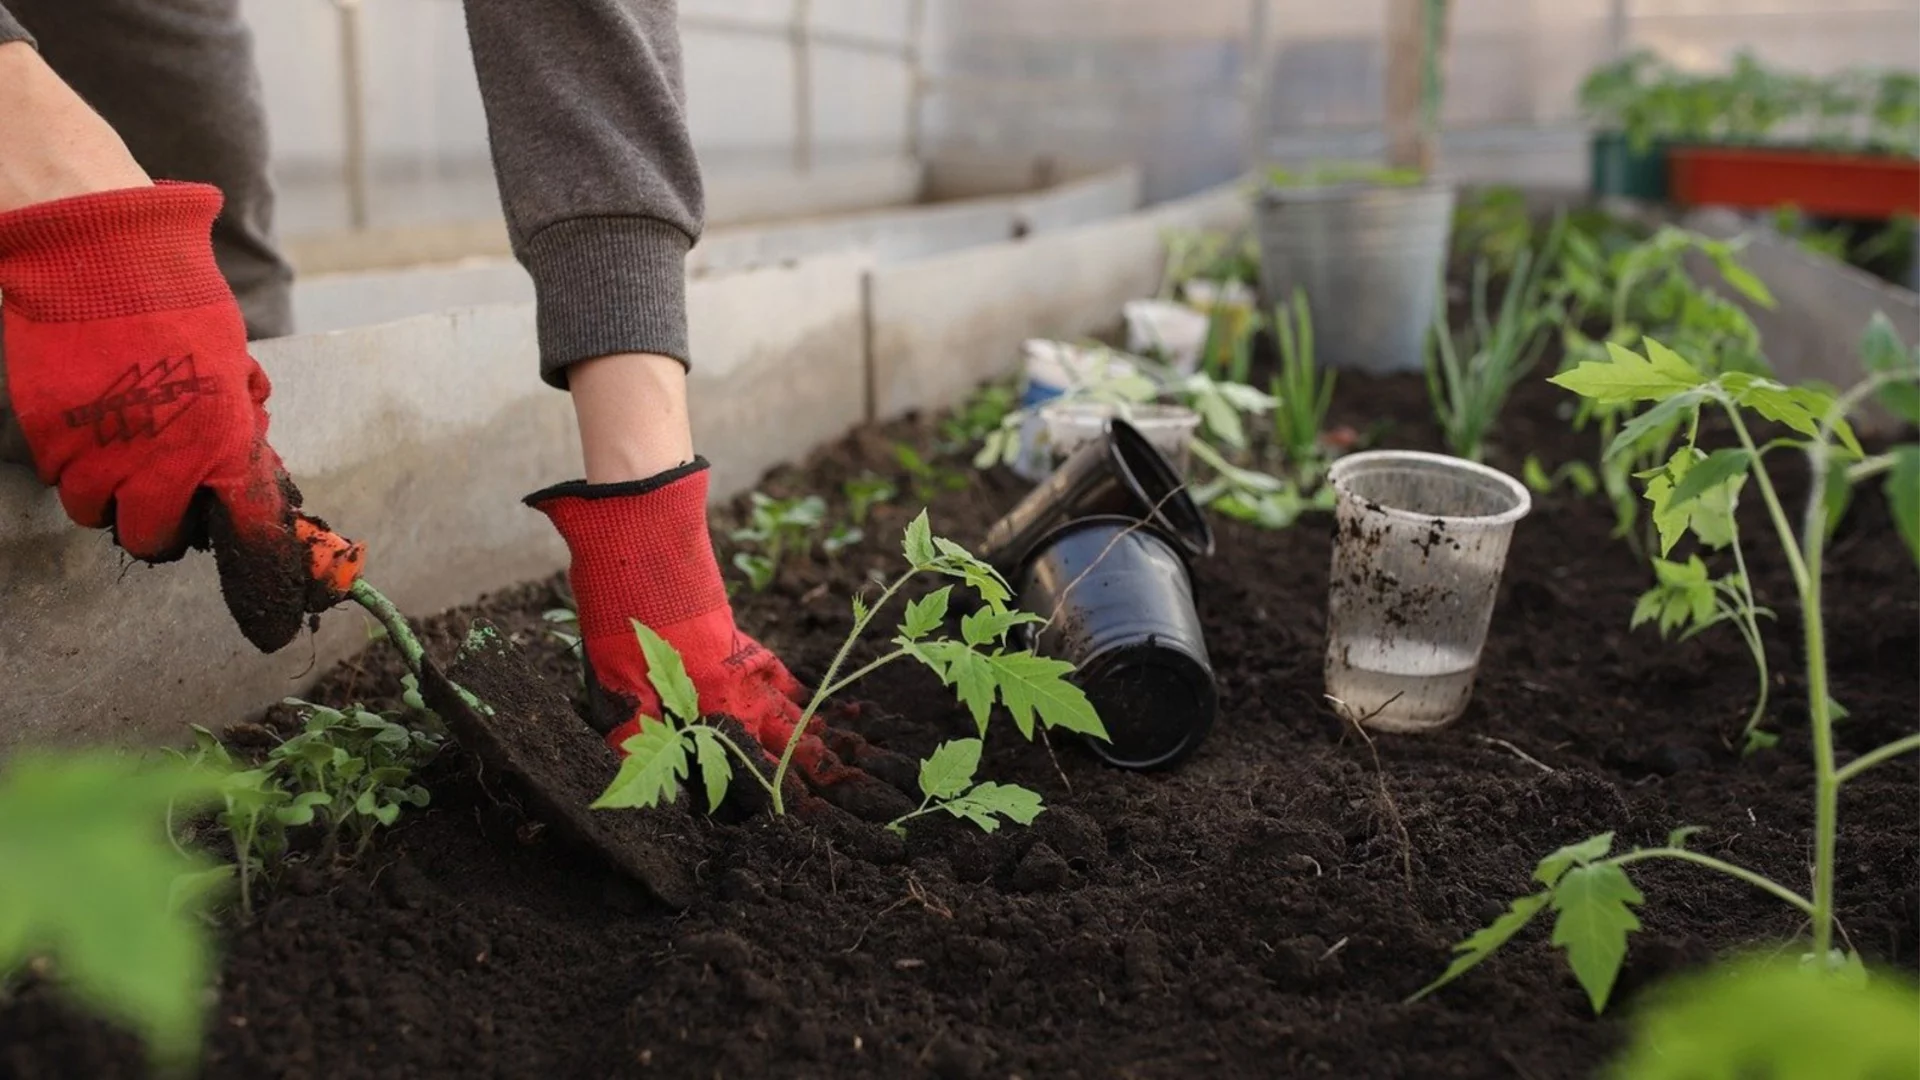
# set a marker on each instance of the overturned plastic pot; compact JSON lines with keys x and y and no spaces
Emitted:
{"x":1119,"y":607}
{"x":1119,"y":473}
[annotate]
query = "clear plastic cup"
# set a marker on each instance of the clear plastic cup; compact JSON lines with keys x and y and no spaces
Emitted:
{"x":1173,"y":332}
{"x":1419,"y":544}
{"x":1169,"y":428}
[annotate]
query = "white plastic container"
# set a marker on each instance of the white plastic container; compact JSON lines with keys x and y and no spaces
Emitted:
{"x":1052,"y":369}
{"x":1175,"y":333}
{"x":1169,"y":428}
{"x":1204,"y":294}
{"x":1419,"y":544}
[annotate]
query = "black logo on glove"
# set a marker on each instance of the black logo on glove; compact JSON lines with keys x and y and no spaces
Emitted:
{"x":143,"y":401}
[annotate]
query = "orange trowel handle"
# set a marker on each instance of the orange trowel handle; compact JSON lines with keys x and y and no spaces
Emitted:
{"x":333,"y":560}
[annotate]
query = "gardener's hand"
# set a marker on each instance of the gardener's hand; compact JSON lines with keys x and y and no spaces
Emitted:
{"x":641,"y":552}
{"x":128,"y":369}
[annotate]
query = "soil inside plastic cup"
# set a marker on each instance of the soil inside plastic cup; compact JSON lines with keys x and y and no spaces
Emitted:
{"x":1419,"y":546}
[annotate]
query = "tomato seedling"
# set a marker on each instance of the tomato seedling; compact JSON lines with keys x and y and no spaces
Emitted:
{"x":1585,"y":884}
{"x":775,"y":530}
{"x":980,"y":667}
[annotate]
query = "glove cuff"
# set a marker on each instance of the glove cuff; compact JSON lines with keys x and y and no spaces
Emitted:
{"x":640,"y":550}
{"x":112,"y":254}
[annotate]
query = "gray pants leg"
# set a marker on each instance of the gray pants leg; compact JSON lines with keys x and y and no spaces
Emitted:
{"x":176,"y":79}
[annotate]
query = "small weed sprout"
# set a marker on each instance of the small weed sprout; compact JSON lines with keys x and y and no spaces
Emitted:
{"x":927,"y":479}
{"x":776,"y":529}
{"x":841,"y":537}
{"x":980,"y":667}
{"x":864,"y":492}
{"x":980,"y":416}
{"x":563,"y":626}
{"x":351,"y":772}
{"x":1586,"y":884}
{"x":348,"y":773}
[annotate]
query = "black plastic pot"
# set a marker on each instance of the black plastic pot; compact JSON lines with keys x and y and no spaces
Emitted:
{"x":1121,"y":475}
{"x":1121,"y":609}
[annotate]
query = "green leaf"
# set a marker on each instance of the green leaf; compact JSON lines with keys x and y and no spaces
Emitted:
{"x":956,"y":561}
{"x":91,"y":882}
{"x":917,"y":544}
{"x":1709,"y":515}
{"x":1664,"y":417}
{"x":1882,"y":352}
{"x":1648,"y":607}
{"x":966,"y":671}
{"x":1838,"y":494}
{"x":1593,"y":904}
{"x":988,"y":626}
{"x":1719,"y":467}
{"x":1683,"y":596}
{"x":656,"y":762}
{"x":303,"y":809}
{"x":1903,"y":495}
{"x":1218,"y":415}
{"x":1026,"y":684}
{"x":926,"y":614}
{"x":988,"y":802}
{"x":1742,"y":279}
{"x":1631,"y":377}
{"x":1534,"y":475}
{"x":1482,"y":943}
{"x":716,"y":768}
{"x":949,"y":769}
{"x":759,"y":569}
{"x":1037,"y":685}
{"x":668,"y":674}
{"x":1551,"y":868}
{"x":1773,"y":1017}
{"x":1011,"y":801}
{"x":1678,"y":837}
{"x":1758,"y":740}
{"x":196,"y":890}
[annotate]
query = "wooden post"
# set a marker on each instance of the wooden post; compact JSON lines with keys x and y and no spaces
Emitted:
{"x":1416,"y":69}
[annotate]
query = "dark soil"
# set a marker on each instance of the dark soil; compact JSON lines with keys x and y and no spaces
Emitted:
{"x":1261,"y":911}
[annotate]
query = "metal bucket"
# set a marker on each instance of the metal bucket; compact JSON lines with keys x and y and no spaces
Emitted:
{"x":1370,"y":259}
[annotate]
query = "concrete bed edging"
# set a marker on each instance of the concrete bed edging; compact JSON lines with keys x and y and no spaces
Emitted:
{"x":339,"y":301}
{"x":429,"y":472}
{"x":943,"y":325}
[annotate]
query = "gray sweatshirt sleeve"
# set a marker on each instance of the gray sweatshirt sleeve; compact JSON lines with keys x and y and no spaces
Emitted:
{"x":11,"y":30}
{"x":587,"y":116}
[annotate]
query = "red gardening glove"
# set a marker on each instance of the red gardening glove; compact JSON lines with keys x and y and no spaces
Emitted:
{"x":127,"y":363}
{"x":641,"y":552}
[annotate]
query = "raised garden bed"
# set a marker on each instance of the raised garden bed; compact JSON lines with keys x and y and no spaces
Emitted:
{"x":1261,"y":911}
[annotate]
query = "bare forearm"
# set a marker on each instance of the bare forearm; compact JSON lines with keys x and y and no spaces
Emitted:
{"x":56,"y":146}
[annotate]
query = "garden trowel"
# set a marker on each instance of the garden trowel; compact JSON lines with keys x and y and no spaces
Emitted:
{"x":518,"y":725}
